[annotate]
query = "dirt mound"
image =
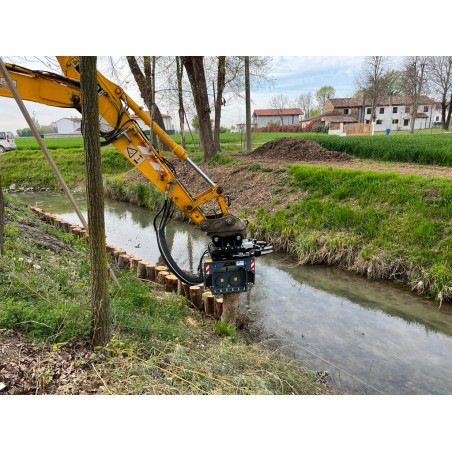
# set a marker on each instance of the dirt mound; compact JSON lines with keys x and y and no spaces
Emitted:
{"x":296,"y":149}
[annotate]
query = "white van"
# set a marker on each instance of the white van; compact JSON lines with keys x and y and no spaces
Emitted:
{"x":7,"y":142}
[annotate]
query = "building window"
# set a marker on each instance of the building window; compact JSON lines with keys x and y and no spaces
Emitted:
{"x":369,"y":111}
{"x":395,"y":121}
{"x":346,"y":111}
{"x":407,"y":109}
{"x":394,"y":109}
{"x":367,"y":121}
{"x":437,"y":119}
{"x":425,"y":108}
{"x":382,"y":110}
{"x":406,"y":122}
{"x":379,"y":121}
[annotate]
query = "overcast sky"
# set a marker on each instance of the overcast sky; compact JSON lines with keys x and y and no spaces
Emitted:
{"x":293,"y":75}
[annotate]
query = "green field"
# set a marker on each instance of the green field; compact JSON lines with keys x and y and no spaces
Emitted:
{"x":422,"y":148}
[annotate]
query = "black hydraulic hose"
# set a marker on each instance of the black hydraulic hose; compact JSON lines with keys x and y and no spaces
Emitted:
{"x":166,"y":255}
{"x":165,"y":215}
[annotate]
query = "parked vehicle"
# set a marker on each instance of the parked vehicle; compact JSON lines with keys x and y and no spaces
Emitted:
{"x":7,"y":142}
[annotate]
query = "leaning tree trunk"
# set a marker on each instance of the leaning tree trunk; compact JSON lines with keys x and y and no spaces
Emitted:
{"x":195,"y":70}
{"x":95,"y":202}
{"x":221,"y":81}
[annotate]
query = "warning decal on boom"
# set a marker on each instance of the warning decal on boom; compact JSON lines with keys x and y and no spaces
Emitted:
{"x":134,"y":155}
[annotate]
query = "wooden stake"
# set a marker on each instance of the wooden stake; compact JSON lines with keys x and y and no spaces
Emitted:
{"x":218,"y":307}
{"x":160,"y":278}
{"x":196,"y":296}
{"x":230,"y":307}
{"x":186,"y":291}
{"x":123,"y":261}
{"x":141,"y":270}
{"x":171,"y":283}
{"x":209,"y":302}
{"x":150,"y":272}
{"x":134,"y":263}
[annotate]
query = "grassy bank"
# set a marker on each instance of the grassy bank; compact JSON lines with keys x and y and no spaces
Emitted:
{"x":159,"y":346}
{"x":384,"y":225}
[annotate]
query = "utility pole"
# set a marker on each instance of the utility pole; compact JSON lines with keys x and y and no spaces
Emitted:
{"x":249,"y":138}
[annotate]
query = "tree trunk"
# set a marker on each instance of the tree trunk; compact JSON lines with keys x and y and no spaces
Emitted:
{"x":2,"y":218}
{"x":449,"y":113}
{"x":249,"y":138}
{"x":180,"y":74}
{"x":95,"y":202}
{"x":221,"y":81}
{"x":195,"y":71}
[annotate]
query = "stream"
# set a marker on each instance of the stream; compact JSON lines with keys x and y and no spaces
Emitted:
{"x":371,"y":337}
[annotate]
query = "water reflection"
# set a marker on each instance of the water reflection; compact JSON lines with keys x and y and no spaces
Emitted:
{"x":371,"y":336}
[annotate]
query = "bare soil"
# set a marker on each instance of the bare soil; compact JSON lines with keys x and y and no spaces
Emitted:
{"x":295,"y":150}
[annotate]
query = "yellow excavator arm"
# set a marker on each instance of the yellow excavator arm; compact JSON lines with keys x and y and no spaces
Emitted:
{"x":118,"y":128}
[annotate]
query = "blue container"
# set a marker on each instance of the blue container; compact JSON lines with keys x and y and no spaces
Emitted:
{"x":388,"y":131}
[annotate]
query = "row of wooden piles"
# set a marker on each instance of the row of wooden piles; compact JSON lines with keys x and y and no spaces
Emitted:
{"x":197,"y":296}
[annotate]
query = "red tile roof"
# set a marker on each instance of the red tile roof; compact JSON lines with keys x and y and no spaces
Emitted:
{"x":278,"y":112}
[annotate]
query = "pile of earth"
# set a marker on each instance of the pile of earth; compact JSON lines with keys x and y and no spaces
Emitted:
{"x":296,"y":149}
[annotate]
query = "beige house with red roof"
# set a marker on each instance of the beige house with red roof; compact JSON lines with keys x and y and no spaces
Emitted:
{"x":283,"y":117}
{"x":392,"y":112}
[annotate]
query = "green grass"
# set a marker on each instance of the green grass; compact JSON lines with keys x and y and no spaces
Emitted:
{"x":384,"y":224}
{"x":29,"y":168}
{"x":428,"y":149}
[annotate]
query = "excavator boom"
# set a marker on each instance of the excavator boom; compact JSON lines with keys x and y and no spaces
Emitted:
{"x":118,"y":128}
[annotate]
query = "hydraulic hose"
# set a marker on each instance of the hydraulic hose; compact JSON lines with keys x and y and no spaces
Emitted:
{"x":166,"y":255}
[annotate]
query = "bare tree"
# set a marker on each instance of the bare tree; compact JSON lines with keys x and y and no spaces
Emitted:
{"x":372,"y":80}
{"x":95,"y":202}
{"x":414,"y":81}
{"x":440,"y":75}
{"x":180,"y":99}
{"x":195,"y":71}
{"x":279,"y":103}
{"x":306,"y":103}
{"x":249,"y":138}
{"x":144,"y":75}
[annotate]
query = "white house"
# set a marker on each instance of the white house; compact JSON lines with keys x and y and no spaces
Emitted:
{"x":69,"y":126}
{"x":167,"y":121}
{"x":392,"y":112}
{"x":284,"y":117}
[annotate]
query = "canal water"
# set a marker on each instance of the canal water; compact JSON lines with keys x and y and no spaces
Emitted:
{"x":365,"y":337}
